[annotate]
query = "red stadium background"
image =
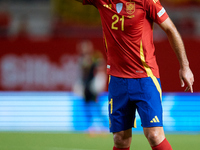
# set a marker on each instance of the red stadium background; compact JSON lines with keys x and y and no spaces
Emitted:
{"x":52,"y":64}
{"x":38,"y":48}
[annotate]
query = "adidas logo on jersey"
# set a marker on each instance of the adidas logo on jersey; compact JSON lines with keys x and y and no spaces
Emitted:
{"x":155,"y":120}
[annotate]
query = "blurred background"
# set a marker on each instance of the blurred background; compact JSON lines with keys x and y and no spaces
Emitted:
{"x":52,"y":69}
{"x":39,"y":43}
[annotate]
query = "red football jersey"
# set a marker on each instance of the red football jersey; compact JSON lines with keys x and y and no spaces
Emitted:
{"x":128,"y":34}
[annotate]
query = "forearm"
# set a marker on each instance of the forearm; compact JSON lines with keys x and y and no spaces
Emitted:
{"x":178,"y":46}
{"x":176,"y":42}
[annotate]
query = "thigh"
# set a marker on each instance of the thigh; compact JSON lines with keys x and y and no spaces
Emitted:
{"x":121,"y":109}
{"x":149,"y":106}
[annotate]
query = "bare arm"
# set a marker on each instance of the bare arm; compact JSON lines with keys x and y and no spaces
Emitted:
{"x":176,"y":42}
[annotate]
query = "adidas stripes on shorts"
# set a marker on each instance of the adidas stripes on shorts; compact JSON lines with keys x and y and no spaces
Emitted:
{"x":128,"y":95}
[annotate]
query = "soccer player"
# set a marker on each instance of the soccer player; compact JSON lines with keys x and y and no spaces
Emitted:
{"x":134,"y":76}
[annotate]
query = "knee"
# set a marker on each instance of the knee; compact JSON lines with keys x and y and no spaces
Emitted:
{"x":118,"y":140}
{"x":121,"y":142}
{"x":155,"y":137}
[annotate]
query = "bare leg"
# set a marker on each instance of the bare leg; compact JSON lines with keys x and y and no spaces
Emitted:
{"x":122,"y":139}
{"x":155,"y":135}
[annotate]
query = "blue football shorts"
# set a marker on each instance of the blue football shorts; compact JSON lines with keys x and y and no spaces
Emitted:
{"x":126,"y":95}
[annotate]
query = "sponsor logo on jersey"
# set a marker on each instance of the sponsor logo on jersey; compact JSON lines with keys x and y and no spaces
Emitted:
{"x":119,"y":7}
{"x":155,"y":120}
{"x":130,"y":7}
{"x":139,"y":71}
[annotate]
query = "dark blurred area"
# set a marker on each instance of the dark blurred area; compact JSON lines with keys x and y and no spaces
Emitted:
{"x":38,"y":40}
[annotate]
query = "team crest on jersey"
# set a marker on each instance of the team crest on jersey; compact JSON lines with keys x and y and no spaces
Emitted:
{"x":130,"y":7}
{"x":119,"y":7}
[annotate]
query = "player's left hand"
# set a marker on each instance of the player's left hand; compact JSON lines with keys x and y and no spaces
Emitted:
{"x":186,"y":75}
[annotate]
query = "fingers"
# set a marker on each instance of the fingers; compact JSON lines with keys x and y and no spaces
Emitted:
{"x":182,"y":83}
{"x":181,"y":79}
{"x":189,"y":83}
{"x":189,"y":88}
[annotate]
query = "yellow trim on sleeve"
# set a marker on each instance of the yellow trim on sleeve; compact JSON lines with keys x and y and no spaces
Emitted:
{"x":149,"y":71}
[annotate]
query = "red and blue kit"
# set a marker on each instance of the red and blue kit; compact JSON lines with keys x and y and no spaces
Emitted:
{"x":128,"y":35}
{"x":131,"y":63}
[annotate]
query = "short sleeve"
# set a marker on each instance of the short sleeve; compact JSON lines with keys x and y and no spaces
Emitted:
{"x":156,"y":11}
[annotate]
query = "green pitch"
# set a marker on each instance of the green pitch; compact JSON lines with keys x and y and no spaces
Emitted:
{"x":69,"y":141}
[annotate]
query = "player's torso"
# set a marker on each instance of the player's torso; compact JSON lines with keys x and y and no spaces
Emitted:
{"x":125,"y":25}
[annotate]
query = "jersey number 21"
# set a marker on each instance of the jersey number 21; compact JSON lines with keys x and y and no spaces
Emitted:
{"x":116,"y":20}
